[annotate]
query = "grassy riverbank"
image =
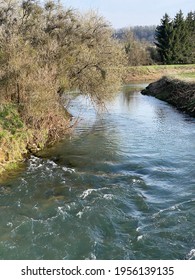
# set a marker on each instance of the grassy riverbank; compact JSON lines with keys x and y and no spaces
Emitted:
{"x":155,"y":72}
{"x":48,"y":51}
{"x":13,"y":137}
{"x":17,"y":140}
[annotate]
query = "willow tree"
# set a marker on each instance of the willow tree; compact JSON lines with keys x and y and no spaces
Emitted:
{"x":47,"y":50}
{"x":99,"y":59}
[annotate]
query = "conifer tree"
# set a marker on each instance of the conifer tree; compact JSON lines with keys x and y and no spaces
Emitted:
{"x":175,"y":39}
{"x":180,"y":46}
{"x":190,"y":27}
{"x":164,"y":38}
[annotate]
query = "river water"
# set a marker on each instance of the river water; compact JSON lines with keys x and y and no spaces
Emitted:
{"x":121,"y":187}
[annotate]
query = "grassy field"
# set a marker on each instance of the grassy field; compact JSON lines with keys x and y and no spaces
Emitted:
{"x":189,"y":76}
{"x":154,"y":72}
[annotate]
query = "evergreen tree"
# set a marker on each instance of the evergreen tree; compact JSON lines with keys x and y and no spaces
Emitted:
{"x":175,"y":40}
{"x":190,"y":26}
{"x":180,"y":46}
{"x":164,"y":38}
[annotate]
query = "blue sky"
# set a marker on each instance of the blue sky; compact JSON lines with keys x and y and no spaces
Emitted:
{"x":124,"y":13}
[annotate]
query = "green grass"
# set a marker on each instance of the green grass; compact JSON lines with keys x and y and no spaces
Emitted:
{"x":16,"y":138}
{"x":9,"y":118}
{"x":149,"y":68}
{"x":13,"y":137}
{"x":155,"y":72}
{"x":188,"y":75}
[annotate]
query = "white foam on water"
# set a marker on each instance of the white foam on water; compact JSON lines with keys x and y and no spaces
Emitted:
{"x":108,"y":196}
{"x":67,"y":169}
{"x":9,"y":245}
{"x":34,"y":163}
{"x":136,"y":181}
{"x":36,"y":207}
{"x":175,"y":207}
{"x":62,"y":212}
{"x":85,"y":209}
{"x":51,"y":162}
{"x":138,"y":229}
{"x":32,"y":226}
{"x":9,"y":224}
{"x":33,"y":158}
{"x":14,"y":230}
{"x":93,"y":256}
{"x":64,"y":182}
{"x":172,"y":208}
{"x":87,"y":192}
{"x":139,"y":237}
{"x":191,"y":254}
{"x":79,"y":214}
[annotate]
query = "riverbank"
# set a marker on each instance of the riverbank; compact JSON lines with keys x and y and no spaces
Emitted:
{"x":155,"y":72}
{"x":13,"y":137}
{"x":180,"y":94}
{"x":18,"y":140}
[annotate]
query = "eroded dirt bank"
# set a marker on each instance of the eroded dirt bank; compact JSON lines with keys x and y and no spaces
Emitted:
{"x":179,"y":93}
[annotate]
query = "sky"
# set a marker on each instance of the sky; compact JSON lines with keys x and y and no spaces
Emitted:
{"x":125,"y":13}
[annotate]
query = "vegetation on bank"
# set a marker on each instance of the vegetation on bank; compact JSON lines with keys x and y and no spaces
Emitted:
{"x":180,"y":94}
{"x":46,"y":51}
{"x":13,"y":136}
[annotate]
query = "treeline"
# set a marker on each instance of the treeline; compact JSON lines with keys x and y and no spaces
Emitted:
{"x":138,"y":44}
{"x":141,"y":33}
{"x":175,"y":39}
{"x":144,"y":33}
{"x":47,"y":50}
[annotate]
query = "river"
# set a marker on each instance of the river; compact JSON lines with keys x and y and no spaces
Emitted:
{"x":121,"y":187}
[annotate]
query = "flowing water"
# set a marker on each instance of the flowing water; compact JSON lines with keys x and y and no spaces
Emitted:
{"x":121,"y":187}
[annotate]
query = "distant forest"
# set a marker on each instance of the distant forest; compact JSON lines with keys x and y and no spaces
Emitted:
{"x":142,"y":33}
